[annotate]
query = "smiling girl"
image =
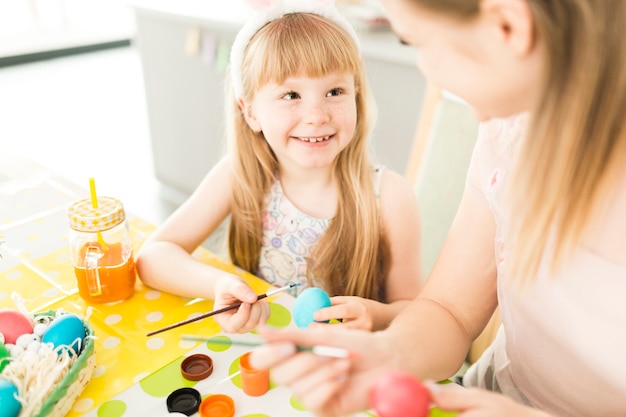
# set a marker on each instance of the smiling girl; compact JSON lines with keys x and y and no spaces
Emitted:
{"x":306,"y":203}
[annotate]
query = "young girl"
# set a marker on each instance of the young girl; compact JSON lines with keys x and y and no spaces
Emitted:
{"x":306,"y":204}
{"x":541,"y":230}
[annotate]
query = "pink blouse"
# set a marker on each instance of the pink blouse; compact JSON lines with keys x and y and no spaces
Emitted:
{"x":563,"y":348}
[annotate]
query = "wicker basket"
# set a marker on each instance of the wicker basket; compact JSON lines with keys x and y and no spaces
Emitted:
{"x":62,"y":395}
{"x":65,"y":394}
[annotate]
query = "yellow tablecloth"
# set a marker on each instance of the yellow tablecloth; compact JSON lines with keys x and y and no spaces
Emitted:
{"x":134,"y":372}
{"x":36,"y":268}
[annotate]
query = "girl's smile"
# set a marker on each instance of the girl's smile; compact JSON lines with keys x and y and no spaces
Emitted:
{"x":315,"y":139}
{"x":307,"y":121}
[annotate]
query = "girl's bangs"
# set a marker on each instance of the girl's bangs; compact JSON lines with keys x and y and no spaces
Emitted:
{"x":302,"y":45}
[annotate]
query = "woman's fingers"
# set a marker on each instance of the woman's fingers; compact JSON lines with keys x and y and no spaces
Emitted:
{"x":319,"y":384}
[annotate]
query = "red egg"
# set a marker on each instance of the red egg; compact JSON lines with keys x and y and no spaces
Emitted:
{"x":399,"y":394}
{"x":13,"y":324}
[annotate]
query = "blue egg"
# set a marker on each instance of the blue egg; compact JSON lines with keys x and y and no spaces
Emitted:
{"x":307,"y":303}
{"x":66,"y":330}
{"x":9,"y":405}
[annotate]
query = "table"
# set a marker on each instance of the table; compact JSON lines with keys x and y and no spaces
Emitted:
{"x":134,"y":373}
{"x":36,"y":267}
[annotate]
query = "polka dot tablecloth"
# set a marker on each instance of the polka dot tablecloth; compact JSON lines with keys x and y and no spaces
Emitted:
{"x":148,"y":396}
{"x":134,"y":373}
{"x":36,"y":268}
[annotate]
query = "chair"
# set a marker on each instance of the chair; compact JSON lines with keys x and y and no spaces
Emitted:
{"x":445,"y":137}
{"x":442,"y":148}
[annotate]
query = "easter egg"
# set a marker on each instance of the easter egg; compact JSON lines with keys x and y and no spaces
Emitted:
{"x":4,"y":356}
{"x":399,"y":394}
{"x":9,"y":405}
{"x":66,"y":330}
{"x":13,"y":324}
{"x":307,"y":303}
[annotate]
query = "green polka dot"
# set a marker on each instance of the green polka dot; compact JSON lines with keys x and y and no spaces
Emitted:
{"x":234,"y":367}
{"x":225,"y":343}
{"x":296,"y":404}
{"x":113,"y":408}
{"x":165,"y":380}
{"x":279,"y":315}
{"x":436,"y":412}
{"x":236,"y":380}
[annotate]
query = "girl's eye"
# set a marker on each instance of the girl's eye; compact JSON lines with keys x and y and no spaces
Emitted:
{"x":334,"y":92}
{"x":292,"y":95}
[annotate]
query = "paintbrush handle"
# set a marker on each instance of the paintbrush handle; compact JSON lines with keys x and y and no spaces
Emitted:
{"x":200,"y":317}
{"x":328,"y":351}
{"x":221,"y":310}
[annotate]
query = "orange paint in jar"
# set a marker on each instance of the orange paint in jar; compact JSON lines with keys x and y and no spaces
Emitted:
{"x":115,"y":272}
{"x":101,"y":250}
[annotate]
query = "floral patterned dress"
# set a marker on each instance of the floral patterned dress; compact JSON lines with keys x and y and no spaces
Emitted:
{"x":289,"y":235}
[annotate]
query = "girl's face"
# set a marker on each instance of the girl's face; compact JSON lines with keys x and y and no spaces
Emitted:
{"x":490,"y":64}
{"x":306,"y":121}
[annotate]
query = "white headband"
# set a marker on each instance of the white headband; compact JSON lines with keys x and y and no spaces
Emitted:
{"x":273,"y":10}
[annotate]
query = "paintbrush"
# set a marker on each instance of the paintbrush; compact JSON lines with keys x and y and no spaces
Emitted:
{"x":223,"y":309}
{"x":328,"y":351}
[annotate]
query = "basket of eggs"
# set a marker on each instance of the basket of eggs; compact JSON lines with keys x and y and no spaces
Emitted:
{"x":46,"y":360}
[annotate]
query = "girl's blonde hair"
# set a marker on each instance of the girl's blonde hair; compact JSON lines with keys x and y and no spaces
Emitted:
{"x":576,"y":142}
{"x":351,"y":257}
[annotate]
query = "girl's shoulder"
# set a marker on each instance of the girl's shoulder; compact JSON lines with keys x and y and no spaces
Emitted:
{"x":377,"y":175}
{"x":391,"y":186}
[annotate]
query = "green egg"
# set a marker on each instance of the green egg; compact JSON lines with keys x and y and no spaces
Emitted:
{"x":4,"y":356}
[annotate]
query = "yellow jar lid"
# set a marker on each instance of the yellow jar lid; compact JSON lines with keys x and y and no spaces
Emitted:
{"x":84,"y":218}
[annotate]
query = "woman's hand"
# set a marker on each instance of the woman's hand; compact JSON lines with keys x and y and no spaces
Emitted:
{"x":231,"y":289}
{"x":326,"y":386}
{"x":353,"y":312}
{"x":474,"y":402}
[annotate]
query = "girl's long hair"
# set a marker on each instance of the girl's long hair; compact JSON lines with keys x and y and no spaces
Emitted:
{"x":575,"y":147}
{"x":351,"y":257}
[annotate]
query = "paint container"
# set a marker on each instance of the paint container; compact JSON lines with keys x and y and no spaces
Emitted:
{"x":255,"y":382}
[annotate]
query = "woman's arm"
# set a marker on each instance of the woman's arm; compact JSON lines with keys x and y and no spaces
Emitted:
{"x":458,"y":299}
{"x":429,"y":337}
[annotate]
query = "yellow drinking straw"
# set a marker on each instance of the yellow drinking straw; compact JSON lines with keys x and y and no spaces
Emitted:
{"x":94,"y":204}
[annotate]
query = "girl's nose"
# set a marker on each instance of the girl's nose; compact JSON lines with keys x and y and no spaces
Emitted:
{"x":316,"y":112}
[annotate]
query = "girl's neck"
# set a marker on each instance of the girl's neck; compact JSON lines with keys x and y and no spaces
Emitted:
{"x":313,"y":191}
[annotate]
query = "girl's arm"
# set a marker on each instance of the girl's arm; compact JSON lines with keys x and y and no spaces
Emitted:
{"x":165,"y":262}
{"x":401,"y":226}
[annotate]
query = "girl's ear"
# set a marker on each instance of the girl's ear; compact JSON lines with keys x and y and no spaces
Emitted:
{"x":515,"y":23}
{"x":248,"y":114}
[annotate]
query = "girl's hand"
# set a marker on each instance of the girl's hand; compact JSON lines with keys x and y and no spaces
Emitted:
{"x":230,"y":289}
{"x":326,"y":386}
{"x":353,"y":312}
{"x":474,"y":402}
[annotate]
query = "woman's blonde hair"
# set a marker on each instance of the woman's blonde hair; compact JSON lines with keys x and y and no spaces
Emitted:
{"x":575,"y":147}
{"x":351,"y":257}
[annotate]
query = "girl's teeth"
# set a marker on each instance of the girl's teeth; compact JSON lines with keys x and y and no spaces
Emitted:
{"x":314,"y":139}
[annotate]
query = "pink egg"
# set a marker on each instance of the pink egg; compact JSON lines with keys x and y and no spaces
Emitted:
{"x":13,"y":324}
{"x":399,"y":394}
